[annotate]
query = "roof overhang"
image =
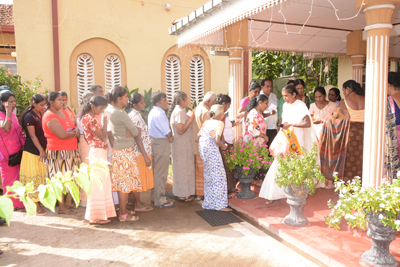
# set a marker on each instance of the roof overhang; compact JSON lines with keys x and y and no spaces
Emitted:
{"x":306,"y":26}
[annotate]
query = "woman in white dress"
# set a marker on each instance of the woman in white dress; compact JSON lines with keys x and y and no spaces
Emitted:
{"x":295,"y":114}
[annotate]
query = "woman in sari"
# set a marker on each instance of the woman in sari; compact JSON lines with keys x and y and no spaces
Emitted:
{"x":392,"y":127}
{"x":256,"y":128}
{"x":341,"y":145}
{"x":334,"y":95}
{"x":321,"y":110}
{"x":296,"y":115}
{"x":254,"y":91}
{"x":12,"y":142}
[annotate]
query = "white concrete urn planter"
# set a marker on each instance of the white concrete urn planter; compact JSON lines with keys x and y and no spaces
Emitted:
{"x":381,"y":237}
{"x":296,"y":198}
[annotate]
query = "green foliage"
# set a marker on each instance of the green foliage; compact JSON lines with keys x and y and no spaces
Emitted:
{"x":23,"y":91}
{"x":53,"y":189}
{"x":136,"y":90}
{"x":272,"y":65}
{"x":299,"y":169}
{"x":355,"y":202}
{"x":249,"y":155}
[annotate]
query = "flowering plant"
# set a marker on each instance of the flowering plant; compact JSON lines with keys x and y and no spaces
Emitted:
{"x":355,"y":202}
{"x":299,"y":169}
{"x":249,"y":155}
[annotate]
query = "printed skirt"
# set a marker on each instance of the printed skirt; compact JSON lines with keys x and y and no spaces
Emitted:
{"x":62,"y":161}
{"x":146,"y":174}
{"x":125,"y":172}
{"x":32,"y":170}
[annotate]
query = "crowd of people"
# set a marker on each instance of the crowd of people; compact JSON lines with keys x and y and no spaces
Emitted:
{"x":111,"y":127}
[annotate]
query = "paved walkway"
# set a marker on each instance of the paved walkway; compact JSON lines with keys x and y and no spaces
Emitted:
{"x":162,"y":237}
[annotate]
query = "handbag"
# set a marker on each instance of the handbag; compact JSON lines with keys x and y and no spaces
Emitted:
{"x":13,"y":159}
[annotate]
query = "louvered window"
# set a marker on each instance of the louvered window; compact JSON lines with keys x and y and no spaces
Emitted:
{"x":172,"y":77}
{"x":112,"y":71}
{"x":196,"y":79}
{"x":85,"y":69}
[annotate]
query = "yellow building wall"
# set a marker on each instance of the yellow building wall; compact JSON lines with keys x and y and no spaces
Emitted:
{"x":345,"y":71}
{"x":139,"y":30}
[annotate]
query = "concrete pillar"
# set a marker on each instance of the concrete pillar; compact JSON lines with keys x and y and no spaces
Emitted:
{"x":235,"y":84}
{"x":378,"y":17}
{"x":358,"y":67}
{"x":356,"y":48}
{"x":235,"y":39}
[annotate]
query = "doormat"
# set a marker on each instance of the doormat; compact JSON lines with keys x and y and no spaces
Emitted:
{"x":216,"y":218}
{"x":171,"y":195}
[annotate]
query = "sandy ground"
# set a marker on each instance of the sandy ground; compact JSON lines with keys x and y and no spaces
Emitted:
{"x":162,"y":237}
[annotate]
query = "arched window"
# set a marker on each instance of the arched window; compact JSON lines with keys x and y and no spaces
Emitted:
{"x":196,"y":79}
{"x":112,"y":71}
{"x":172,"y":77}
{"x":85,"y":73}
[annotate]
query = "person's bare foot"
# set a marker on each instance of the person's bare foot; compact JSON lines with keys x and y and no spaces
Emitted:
{"x":143,"y":208}
{"x":225,"y":209}
{"x":71,"y":206}
{"x":101,"y":222}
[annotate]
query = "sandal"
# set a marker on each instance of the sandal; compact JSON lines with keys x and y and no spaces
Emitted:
{"x":130,"y":212}
{"x":189,"y":199}
{"x":181,"y":199}
{"x":41,"y":213}
{"x":125,"y":218}
{"x":67,"y":212}
{"x":101,"y":222}
{"x":199,"y":198}
{"x":1,"y":252}
{"x":144,"y":208}
{"x":271,"y":201}
{"x":167,"y":205}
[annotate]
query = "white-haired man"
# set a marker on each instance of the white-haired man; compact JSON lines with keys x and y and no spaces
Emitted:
{"x":201,"y":115}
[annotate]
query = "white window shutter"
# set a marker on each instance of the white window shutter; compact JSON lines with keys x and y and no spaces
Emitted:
{"x":85,"y":74}
{"x":112,"y":71}
{"x":196,"y":79}
{"x":172,"y":77}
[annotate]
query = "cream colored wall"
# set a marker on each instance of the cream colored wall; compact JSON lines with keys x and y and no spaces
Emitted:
{"x":219,"y":73}
{"x":140,"y":31}
{"x":345,"y":71}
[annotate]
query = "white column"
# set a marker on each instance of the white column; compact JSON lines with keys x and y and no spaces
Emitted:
{"x":378,"y":21}
{"x":235,"y":85}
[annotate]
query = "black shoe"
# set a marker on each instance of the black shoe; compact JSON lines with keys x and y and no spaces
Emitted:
{"x":2,"y":221}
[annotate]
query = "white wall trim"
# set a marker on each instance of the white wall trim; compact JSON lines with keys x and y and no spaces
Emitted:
{"x":235,"y":48}
{"x":357,"y":65}
{"x":378,"y":26}
{"x":379,"y":6}
{"x":235,"y":58}
{"x":357,"y":56}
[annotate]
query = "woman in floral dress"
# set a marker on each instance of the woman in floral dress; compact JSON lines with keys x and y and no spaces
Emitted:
{"x":142,"y":149}
{"x":215,"y":187}
{"x":256,"y":128}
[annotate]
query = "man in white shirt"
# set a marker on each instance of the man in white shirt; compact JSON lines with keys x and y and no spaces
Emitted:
{"x":270,"y":114}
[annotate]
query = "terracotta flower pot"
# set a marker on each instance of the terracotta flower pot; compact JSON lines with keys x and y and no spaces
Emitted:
{"x":381,"y":237}
{"x":296,"y":198}
{"x":245,"y":181}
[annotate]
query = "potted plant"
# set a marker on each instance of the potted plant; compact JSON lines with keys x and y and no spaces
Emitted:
{"x":296,"y":174}
{"x":377,"y":209}
{"x":246,"y":158}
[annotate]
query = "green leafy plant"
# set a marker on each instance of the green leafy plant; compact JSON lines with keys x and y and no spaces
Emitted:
{"x":53,"y":189}
{"x":355,"y":202}
{"x":299,"y":169}
{"x":248,"y":155}
{"x":273,"y":65}
{"x":23,"y":91}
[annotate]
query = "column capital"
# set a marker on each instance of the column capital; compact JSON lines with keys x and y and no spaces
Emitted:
{"x":379,"y":15}
{"x":369,"y":3}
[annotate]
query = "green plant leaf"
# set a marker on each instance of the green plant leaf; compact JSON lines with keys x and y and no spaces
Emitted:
{"x":57,"y":188}
{"x":29,"y":187}
{"x":82,"y":179}
{"x":30,"y":206}
{"x":47,"y":196}
{"x":74,"y":190}
{"x":6,"y":208}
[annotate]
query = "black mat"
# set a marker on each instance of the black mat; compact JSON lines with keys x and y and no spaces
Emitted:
{"x":216,"y":218}
{"x":171,"y":195}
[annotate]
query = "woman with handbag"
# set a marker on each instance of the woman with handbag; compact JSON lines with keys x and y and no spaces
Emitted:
{"x":33,"y":168}
{"x":12,"y":143}
{"x":62,"y":144}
